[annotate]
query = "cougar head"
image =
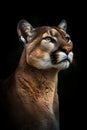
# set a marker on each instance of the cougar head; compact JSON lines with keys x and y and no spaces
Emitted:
{"x":46,"y":46}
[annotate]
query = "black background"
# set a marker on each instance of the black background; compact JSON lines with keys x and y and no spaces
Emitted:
{"x":71,"y":82}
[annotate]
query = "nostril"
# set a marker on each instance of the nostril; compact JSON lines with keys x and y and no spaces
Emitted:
{"x":65,"y":49}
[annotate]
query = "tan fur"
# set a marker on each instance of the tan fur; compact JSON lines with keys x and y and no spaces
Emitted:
{"x":30,"y":94}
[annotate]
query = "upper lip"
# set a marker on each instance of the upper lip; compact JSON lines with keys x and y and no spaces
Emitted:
{"x":64,"y":60}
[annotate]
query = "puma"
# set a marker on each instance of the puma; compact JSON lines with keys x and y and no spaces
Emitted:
{"x":29,"y":97}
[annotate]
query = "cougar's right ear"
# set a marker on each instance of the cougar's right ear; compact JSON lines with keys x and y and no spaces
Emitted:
{"x":24,"y":30}
{"x":63,"y":25}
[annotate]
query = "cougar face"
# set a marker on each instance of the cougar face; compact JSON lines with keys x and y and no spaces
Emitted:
{"x":46,"y":47}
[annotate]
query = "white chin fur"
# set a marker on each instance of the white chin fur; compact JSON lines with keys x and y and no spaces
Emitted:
{"x":65,"y":64}
{"x":62,"y":65}
{"x":70,"y":56}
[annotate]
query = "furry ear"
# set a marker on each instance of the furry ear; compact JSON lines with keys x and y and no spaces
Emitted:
{"x":24,"y":30}
{"x":63,"y":25}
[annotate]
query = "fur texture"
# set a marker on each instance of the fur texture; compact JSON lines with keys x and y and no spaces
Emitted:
{"x":29,"y":97}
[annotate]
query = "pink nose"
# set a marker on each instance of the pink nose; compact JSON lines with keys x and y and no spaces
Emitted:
{"x":67,"y":49}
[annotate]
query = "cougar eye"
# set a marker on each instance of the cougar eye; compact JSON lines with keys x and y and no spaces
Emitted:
{"x":68,"y":39}
{"x":50,"y":39}
{"x":47,"y":38}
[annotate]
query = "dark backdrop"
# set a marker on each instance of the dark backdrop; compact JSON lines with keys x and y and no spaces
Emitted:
{"x":71,"y":88}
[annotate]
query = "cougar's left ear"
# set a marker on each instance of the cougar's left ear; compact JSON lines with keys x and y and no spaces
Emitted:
{"x":63,"y":25}
{"x":24,"y":30}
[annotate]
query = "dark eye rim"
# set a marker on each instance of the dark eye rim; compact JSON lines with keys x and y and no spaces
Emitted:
{"x":50,"y":39}
{"x":67,"y":38}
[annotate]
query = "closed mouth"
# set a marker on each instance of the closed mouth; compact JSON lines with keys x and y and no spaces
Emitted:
{"x":66,"y":59}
